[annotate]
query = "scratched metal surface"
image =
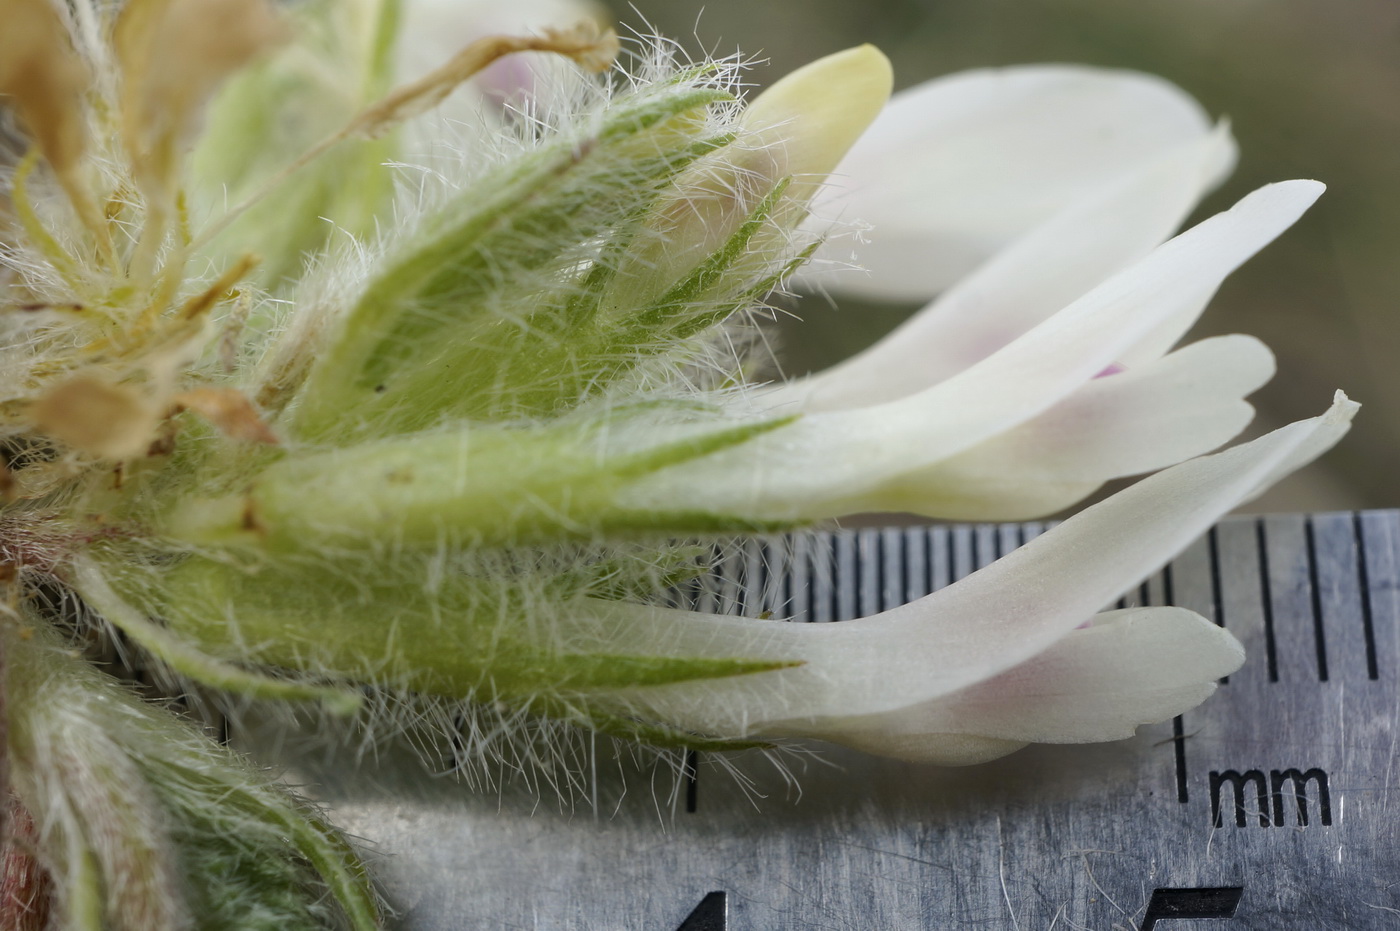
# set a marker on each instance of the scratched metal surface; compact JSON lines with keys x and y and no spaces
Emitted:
{"x":1203,"y":816}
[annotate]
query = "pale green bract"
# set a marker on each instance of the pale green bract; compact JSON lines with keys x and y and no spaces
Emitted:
{"x":439,"y":450}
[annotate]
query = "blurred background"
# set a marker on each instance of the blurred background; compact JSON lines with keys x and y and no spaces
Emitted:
{"x":1312,"y":88}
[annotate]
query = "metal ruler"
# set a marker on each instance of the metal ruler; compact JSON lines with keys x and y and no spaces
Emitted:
{"x":1274,"y":806}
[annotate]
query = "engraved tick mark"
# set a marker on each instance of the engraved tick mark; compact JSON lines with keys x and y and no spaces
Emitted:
{"x":1179,"y":740}
{"x":692,"y":780}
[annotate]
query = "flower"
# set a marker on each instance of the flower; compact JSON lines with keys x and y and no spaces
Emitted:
{"x":999,"y":659}
{"x":436,"y":457}
{"x":957,"y":169}
{"x":1001,"y":437}
{"x":1033,"y":426}
{"x":1110,"y":163}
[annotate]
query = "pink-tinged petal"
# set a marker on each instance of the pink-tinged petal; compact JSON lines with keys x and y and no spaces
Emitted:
{"x":432,"y":31}
{"x":829,"y":464}
{"x":1135,"y":421}
{"x":957,"y":168}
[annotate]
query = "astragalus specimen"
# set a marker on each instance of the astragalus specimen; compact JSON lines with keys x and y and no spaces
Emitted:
{"x":317,"y":398}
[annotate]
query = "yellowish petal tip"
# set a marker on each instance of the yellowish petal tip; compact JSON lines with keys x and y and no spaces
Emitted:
{"x":869,"y":62}
{"x":859,"y":79}
{"x":820,"y":109}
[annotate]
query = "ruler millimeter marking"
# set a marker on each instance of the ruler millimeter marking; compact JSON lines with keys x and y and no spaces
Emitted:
{"x":1275,"y":805}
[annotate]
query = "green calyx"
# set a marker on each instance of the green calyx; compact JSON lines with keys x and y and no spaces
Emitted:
{"x":478,"y":316}
{"x":476,"y":486}
{"x":488,"y":631}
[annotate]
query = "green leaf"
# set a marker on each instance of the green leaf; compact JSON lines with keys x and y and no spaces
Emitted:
{"x":329,"y":855}
{"x":100,"y":768}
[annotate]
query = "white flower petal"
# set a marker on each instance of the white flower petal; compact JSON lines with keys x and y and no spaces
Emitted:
{"x":1132,"y":667}
{"x":990,"y":622}
{"x":1136,"y":421}
{"x":1035,"y":276}
{"x":956,"y":168}
{"x":828,"y":464}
